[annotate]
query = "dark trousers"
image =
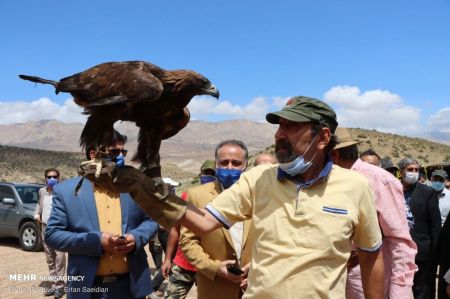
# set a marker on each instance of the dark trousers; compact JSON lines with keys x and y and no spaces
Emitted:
{"x":424,"y":281}
{"x":119,"y":289}
{"x":442,"y":293}
{"x":157,"y":249}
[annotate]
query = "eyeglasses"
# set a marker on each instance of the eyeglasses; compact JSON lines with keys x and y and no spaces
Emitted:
{"x":117,"y":151}
{"x":52,"y":177}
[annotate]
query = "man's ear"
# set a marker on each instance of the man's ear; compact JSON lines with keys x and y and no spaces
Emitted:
{"x":324,"y":138}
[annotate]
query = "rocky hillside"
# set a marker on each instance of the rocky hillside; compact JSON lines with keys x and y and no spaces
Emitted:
{"x":28,"y":165}
{"x":396,"y":147}
{"x":188,"y":149}
{"x":56,"y":145}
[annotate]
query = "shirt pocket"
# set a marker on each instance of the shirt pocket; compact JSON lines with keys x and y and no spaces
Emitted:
{"x":335,"y":211}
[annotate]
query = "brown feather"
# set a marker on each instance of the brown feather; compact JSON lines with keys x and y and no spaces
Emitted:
{"x":137,"y":91}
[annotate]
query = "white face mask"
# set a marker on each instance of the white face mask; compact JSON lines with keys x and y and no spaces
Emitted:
{"x":410,"y":177}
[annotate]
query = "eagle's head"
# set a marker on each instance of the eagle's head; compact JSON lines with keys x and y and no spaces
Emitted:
{"x":188,"y":84}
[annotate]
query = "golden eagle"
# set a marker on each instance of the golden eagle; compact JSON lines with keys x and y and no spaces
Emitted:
{"x":138,"y":91}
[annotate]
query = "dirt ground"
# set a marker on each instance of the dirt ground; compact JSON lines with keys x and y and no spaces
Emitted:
{"x":15,"y":261}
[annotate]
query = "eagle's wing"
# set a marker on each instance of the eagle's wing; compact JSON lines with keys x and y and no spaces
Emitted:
{"x":112,"y":83}
{"x":171,"y":126}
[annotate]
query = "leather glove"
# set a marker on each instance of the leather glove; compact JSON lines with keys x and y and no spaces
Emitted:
{"x":151,"y":194}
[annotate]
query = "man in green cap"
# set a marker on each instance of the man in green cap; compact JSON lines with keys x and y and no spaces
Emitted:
{"x":207,"y":172}
{"x":305,"y":211}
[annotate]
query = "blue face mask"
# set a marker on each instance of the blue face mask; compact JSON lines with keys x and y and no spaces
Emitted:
{"x":298,"y":165}
{"x":228,"y":177}
{"x":438,"y":186}
{"x":207,"y":178}
{"x":52,"y":182}
{"x":120,"y":160}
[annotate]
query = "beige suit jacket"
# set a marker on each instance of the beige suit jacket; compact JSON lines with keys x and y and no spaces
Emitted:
{"x":206,"y":252}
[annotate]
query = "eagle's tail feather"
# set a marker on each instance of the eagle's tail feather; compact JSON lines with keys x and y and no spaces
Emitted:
{"x":40,"y":80}
{"x":97,"y":131}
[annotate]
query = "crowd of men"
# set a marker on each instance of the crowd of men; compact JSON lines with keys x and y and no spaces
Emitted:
{"x":315,"y":220}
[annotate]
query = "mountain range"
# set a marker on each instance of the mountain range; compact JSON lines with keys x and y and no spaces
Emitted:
{"x":188,"y":149}
{"x":28,"y":148}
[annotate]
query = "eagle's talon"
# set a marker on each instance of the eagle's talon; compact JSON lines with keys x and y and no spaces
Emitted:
{"x":162,"y":189}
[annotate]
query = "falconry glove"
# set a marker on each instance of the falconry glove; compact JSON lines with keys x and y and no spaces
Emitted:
{"x":151,"y":194}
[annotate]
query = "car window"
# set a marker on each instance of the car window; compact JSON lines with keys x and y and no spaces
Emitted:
{"x":6,"y":192}
{"x":28,"y":194}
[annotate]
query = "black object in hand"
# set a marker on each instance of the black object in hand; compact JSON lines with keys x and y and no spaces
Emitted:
{"x":233,"y":268}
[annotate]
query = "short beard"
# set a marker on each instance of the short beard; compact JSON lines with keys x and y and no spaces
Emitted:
{"x":283,"y":144}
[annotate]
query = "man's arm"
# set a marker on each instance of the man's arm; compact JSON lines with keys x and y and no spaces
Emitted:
{"x":196,"y":254}
{"x":199,"y":220}
{"x":368,"y":239}
{"x":38,"y":209}
{"x":434,"y":218}
{"x":397,"y":242}
{"x":190,"y":244}
{"x":168,"y":210}
{"x":144,"y":231}
{"x":171,"y":248}
{"x":372,"y":273}
{"x":57,"y":236}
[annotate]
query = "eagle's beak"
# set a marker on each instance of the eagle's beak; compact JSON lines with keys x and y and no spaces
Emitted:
{"x":213,"y":91}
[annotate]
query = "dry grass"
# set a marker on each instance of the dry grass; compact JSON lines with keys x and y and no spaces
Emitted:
{"x":396,"y":147}
{"x":28,"y":165}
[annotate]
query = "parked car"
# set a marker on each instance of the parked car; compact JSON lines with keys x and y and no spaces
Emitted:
{"x":17,"y":205}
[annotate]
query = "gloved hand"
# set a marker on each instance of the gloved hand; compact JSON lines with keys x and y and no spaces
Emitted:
{"x":151,"y":194}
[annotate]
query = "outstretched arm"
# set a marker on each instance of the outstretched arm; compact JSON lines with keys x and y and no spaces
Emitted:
{"x":165,"y":209}
{"x":199,"y":220}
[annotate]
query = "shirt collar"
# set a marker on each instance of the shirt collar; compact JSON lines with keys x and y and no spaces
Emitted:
{"x":322,"y":175}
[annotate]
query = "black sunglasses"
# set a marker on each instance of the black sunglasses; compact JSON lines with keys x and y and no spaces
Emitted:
{"x":117,"y":151}
{"x":52,"y":177}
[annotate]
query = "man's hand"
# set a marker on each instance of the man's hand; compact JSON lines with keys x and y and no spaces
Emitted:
{"x":448,"y":289}
{"x":124,"y":245}
{"x":223,"y":272}
{"x":107,"y":242}
{"x":166,"y":267}
{"x":244,"y":282}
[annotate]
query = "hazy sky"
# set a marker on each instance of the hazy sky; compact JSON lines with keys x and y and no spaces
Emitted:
{"x":382,"y":65}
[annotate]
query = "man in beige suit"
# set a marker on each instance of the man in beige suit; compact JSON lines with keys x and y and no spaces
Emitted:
{"x":212,"y":253}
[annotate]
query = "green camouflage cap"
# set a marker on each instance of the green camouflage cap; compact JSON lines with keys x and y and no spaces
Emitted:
{"x":208,"y":164}
{"x":308,"y":110}
{"x":440,"y":172}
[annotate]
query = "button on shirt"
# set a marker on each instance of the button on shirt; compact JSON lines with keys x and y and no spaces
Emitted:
{"x":110,"y":221}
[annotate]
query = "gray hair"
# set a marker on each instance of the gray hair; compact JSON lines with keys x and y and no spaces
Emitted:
{"x":232,"y":142}
{"x":407,"y":161}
